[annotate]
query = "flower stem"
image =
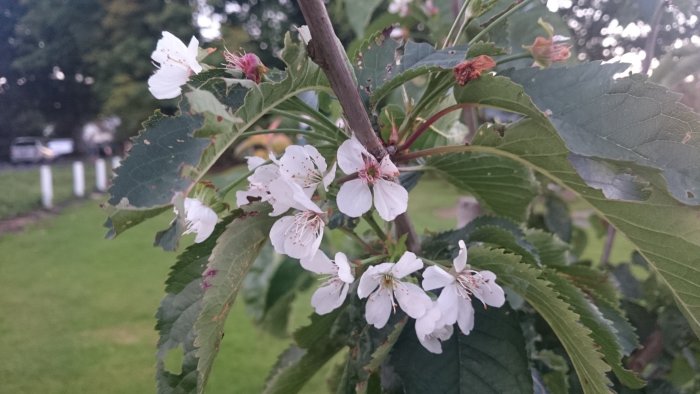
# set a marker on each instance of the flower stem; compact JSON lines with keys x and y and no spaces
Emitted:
{"x":426,"y":125}
{"x":373,"y":259}
{"x":517,"y":56}
{"x":495,"y":22}
{"x":368,"y":248}
{"x":460,"y":15}
{"x":375,"y":226}
{"x":288,"y":131}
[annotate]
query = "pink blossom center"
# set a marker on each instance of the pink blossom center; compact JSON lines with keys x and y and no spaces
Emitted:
{"x":469,"y":282}
{"x":306,"y":223}
{"x":371,"y":172}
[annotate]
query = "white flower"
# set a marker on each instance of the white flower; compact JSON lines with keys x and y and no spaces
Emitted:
{"x":199,"y":219}
{"x":306,"y":167}
{"x":382,"y":284}
{"x":298,"y":236}
{"x":259,"y":183}
{"x":332,"y":293}
{"x":177,"y":62}
{"x":400,"y":7}
{"x":354,"y":197}
{"x":432,"y":329}
{"x":459,"y":285}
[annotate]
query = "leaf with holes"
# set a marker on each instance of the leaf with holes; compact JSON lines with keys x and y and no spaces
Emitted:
{"x":235,"y":251}
{"x":178,"y":312}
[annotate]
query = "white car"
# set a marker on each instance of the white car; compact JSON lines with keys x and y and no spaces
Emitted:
{"x":29,"y":150}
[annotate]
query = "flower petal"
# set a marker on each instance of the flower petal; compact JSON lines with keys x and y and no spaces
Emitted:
{"x":277,"y":233}
{"x":168,"y":48}
{"x":344,"y":269}
{"x":329,"y":296}
{"x":407,"y":264}
{"x":254,"y":162}
{"x":387,"y":169}
{"x":200,"y":219}
{"x":491,"y":293}
{"x":329,"y":177}
{"x":354,"y":198}
{"x":167,"y":81}
{"x":192,"y":50}
{"x":390,"y":199}
{"x":460,"y":262}
{"x":350,"y":156}
{"x":448,"y":303}
{"x":303,"y":243}
{"x":465,"y":316}
{"x":412,"y":299}
{"x":435,"y":278}
{"x":319,"y":263}
{"x":378,"y":308}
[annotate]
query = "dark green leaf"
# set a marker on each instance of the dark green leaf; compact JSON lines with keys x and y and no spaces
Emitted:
{"x":153,"y":172}
{"x":602,"y":330}
{"x":499,"y":232}
{"x":121,"y":219}
{"x":491,"y":359}
{"x":557,"y":217}
{"x":501,"y":185}
{"x":627,"y":119}
{"x":552,"y":250}
{"x":316,"y":344}
{"x":359,"y":13}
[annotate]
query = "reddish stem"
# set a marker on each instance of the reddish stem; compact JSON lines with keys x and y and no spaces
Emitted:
{"x":426,"y":125}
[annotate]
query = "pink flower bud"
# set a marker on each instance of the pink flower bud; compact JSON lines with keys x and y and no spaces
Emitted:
{"x":470,"y":70}
{"x":248,"y":63}
{"x":545,"y":52}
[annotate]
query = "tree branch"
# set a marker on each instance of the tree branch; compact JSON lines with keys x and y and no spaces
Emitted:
{"x":325,"y":51}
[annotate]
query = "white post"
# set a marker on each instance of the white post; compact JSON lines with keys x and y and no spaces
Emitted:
{"x":116,"y":162}
{"x":78,"y":179}
{"x":46,"y":186}
{"x":101,"y":175}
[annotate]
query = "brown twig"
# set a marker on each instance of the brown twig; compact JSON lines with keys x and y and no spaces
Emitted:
{"x":325,"y":51}
{"x":651,"y":350}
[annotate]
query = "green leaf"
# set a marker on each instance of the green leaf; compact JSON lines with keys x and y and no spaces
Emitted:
{"x":153,"y":172}
{"x":121,"y":220}
{"x":178,"y":312}
{"x":491,"y":359}
{"x":485,"y":48}
{"x":316,"y":345}
{"x":617,"y":181}
{"x":551,"y":249}
{"x":502,"y":186}
{"x":270,"y":288}
{"x":230,"y":260}
{"x":500,"y":232}
{"x":573,"y":335}
{"x":380,"y":68}
{"x":359,"y":13}
{"x":602,"y":330}
{"x":664,"y":231}
{"x":627,"y":119}
{"x":557,"y":217}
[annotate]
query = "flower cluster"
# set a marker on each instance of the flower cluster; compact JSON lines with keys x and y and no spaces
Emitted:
{"x":290,"y":185}
{"x":297,"y":186}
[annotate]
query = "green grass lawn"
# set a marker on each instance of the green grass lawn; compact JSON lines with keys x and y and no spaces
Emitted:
{"x":78,"y":310}
{"x":21,"y":192}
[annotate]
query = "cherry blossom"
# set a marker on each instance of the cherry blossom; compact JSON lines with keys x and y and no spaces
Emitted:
{"x":332,"y":293}
{"x":176,"y":63}
{"x":354,"y":197}
{"x":299,"y":235}
{"x":460,"y":284}
{"x":400,"y":7}
{"x":432,"y":329}
{"x":382,"y":283}
{"x":306,"y":167}
{"x":199,"y":219}
{"x":259,"y":182}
